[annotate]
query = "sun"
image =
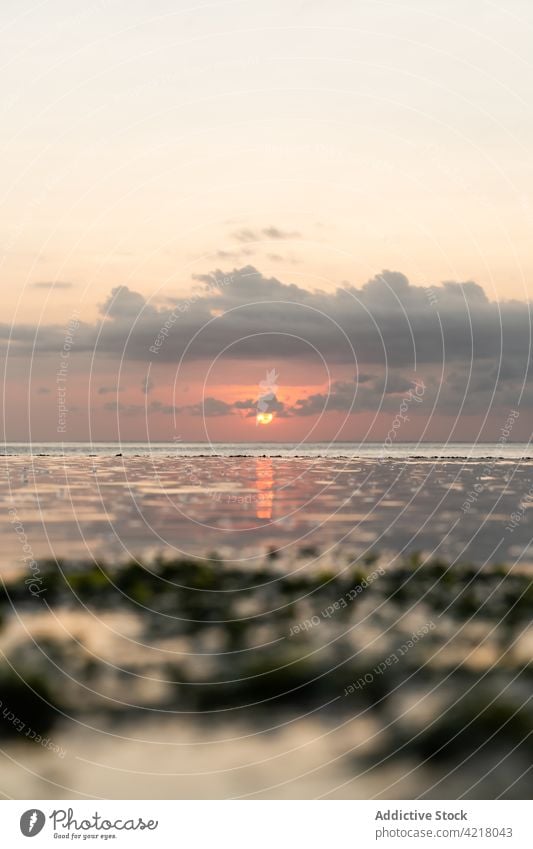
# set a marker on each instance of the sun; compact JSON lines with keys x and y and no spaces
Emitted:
{"x":264,"y":418}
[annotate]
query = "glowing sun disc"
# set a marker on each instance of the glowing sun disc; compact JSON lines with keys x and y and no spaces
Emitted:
{"x":264,"y":418}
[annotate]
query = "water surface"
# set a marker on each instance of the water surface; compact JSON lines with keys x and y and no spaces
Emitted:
{"x":77,"y":506}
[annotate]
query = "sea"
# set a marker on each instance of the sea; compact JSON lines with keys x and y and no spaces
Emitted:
{"x":313,"y":570}
{"x":370,"y":450}
{"x":121,"y":501}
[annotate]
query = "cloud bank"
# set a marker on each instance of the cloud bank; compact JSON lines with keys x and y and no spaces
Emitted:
{"x":468,"y":350}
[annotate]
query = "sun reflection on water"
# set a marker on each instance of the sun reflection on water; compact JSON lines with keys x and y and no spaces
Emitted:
{"x":264,"y":481}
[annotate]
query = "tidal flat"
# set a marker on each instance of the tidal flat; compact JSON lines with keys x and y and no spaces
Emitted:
{"x":82,"y":507}
{"x":266,"y":627}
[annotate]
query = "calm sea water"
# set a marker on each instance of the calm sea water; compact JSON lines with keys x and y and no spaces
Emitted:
{"x":278,"y":511}
{"x":119,"y":501}
{"x":370,"y":450}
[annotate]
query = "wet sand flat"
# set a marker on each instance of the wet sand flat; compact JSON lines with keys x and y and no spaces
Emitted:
{"x":79,"y":507}
{"x":265,"y":627}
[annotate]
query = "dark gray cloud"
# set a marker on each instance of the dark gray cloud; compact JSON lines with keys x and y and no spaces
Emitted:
{"x":461,"y":392}
{"x":121,"y":409}
{"x":343,"y":397}
{"x":212,"y":407}
{"x":124,"y":303}
{"x":108,"y":390}
{"x":208,"y":407}
{"x":340,"y":398}
{"x":268,"y":403}
{"x":346,"y":396}
{"x":466,"y":347}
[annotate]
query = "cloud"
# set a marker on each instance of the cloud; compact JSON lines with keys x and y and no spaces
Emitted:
{"x":208,"y":407}
{"x":108,"y":390}
{"x":340,"y":398}
{"x":119,"y":408}
{"x":212,"y":407}
{"x":54,"y":284}
{"x":276,"y":233}
{"x":124,"y":303}
{"x":247,"y":235}
{"x":233,"y":255}
{"x":268,"y":403}
{"x":343,"y":397}
{"x":351,"y":397}
{"x":472,"y":352}
{"x":280,"y":258}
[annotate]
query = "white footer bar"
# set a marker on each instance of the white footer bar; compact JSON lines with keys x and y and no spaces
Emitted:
{"x":266,"y":824}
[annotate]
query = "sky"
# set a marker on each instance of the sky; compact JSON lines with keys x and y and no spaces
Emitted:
{"x":325,"y":210}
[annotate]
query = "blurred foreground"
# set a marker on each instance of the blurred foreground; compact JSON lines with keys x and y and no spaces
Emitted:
{"x":206,"y":679}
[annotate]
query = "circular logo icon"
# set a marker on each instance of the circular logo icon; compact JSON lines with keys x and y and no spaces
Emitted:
{"x":32,"y":822}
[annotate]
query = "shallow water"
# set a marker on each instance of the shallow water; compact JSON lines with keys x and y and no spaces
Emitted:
{"x":77,"y":507}
{"x":172,"y":692}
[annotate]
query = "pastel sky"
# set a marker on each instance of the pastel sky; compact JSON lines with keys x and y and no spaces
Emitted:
{"x":338,"y":193}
